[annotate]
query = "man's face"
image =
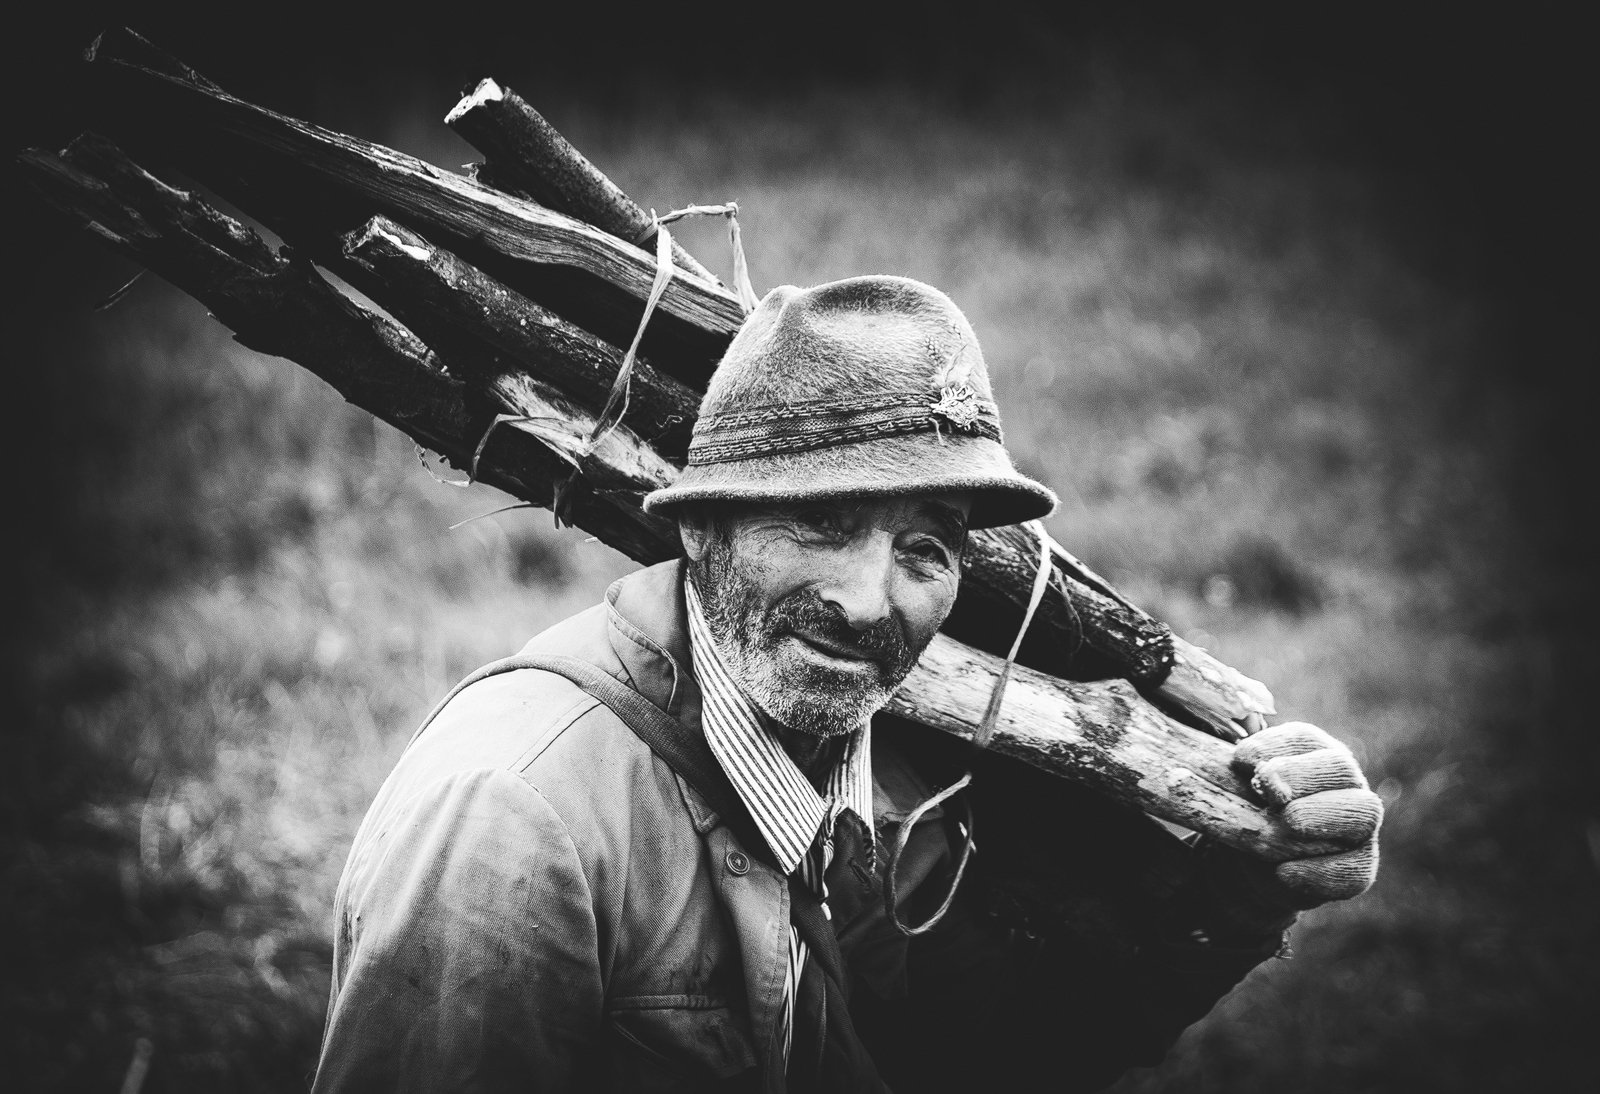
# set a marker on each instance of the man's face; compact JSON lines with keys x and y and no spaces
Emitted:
{"x":821,"y":608}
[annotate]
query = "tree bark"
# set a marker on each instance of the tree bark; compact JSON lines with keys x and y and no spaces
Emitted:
{"x":286,"y":308}
{"x":525,"y":154}
{"x":310,"y":185}
{"x":430,"y":289}
{"x":1101,"y":734}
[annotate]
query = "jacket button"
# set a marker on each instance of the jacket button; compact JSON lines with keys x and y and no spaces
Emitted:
{"x":738,"y":863}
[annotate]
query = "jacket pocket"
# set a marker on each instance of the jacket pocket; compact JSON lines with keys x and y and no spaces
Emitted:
{"x":678,"y":1042}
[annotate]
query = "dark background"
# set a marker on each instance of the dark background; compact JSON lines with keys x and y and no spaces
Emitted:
{"x":1466,"y":132}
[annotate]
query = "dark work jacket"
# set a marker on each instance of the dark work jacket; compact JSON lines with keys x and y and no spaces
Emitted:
{"x":536,"y":901}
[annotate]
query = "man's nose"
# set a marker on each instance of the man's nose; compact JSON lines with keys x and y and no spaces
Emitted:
{"x":858,"y":579}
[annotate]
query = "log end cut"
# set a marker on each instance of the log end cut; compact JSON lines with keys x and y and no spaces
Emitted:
{"x":487,"y":91}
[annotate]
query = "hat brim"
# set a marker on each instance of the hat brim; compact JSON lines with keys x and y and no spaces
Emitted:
{"x":888,"y":467}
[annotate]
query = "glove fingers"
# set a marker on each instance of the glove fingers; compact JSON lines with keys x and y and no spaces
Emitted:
{"x":1344,"y":816}
{"x":1314,"y":881}
{"x":1289,"y":739}
{"x":1284,"y":778}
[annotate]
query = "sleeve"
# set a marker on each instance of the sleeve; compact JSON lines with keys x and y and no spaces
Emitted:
{"x":465,"y":956}
{"x":1078,"y":947}
{"x":995,"y":1001}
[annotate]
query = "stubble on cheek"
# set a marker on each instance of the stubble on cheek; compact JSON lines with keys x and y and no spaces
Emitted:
{"x":758,"y":643}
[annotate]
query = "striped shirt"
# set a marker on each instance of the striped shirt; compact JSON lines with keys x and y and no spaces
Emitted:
{"x":787,"y":810}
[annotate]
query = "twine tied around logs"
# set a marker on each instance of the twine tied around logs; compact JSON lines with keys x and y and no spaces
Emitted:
{"x":741,"y":271}
{"x":980,"y":741}
{"x":616,"y":404}
{"x":617,"y":401}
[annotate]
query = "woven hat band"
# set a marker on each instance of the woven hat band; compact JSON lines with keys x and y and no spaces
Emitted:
{"x":804,"y":427}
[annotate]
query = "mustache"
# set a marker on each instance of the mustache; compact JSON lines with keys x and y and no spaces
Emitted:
{"x":882,"y":641}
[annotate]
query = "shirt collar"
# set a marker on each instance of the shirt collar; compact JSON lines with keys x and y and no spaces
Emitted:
{"x":787,"y":809}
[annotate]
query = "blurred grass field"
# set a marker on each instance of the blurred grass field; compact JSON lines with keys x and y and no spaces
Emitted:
{"x":1269,"y":422}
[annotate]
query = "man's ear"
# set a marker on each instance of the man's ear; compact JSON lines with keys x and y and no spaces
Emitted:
{"x":694,"y":529}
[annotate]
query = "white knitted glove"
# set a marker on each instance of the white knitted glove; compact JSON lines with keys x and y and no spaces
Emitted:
{"x":1317,"y":785}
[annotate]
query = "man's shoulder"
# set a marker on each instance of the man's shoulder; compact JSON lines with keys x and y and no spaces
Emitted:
{"x":527,"y":744}
{"x":507,"y":720}
{"x":520,"y":720}
{"x":539,"y":726}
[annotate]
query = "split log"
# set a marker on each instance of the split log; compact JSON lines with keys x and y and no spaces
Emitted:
{"x":525,"y":154}
{"x":286,"y":308}
{"x":1100,"y":734}
{"x":445,"y":300}
{"x":310,"y":185}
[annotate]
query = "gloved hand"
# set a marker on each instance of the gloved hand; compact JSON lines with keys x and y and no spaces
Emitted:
{"x":1318,"y":786}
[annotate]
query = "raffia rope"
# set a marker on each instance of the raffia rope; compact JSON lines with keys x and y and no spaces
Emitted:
{"x":616,"y":404}
{"x":980,"y":741}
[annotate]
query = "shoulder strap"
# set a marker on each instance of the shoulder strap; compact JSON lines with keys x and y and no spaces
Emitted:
{"x":685,"y":752}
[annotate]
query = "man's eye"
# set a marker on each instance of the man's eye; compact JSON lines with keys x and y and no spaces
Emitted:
{"x":929,"y":551}
{"x":821,"y":521}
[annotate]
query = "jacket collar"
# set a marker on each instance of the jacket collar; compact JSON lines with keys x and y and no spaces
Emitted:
{"x":649,"y":632}
{"x":787,"y":809}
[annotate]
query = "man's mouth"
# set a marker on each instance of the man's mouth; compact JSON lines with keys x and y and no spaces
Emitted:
{"x":834,"y":651}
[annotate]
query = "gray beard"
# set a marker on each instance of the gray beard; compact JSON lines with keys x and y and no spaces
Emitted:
{"x":795,"y":692}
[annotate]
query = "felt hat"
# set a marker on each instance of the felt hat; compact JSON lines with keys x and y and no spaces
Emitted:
{"x":871,"y":386}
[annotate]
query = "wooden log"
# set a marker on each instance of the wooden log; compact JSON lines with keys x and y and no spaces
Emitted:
{"x":1100,"y":733}
{"x":616,"y":463}
{"x":526,"y":154}
{"x":427,"y":287}
{"x":1103,"y":735}
{"x":311,"y":185}
{"x":1085,"y":630}
{"x":282,"y":307}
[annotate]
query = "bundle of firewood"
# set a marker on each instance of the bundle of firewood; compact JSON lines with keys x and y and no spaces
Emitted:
{"x":511,"y":295}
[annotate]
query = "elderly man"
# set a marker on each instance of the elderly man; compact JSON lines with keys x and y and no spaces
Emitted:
{"x":649,"y":852}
